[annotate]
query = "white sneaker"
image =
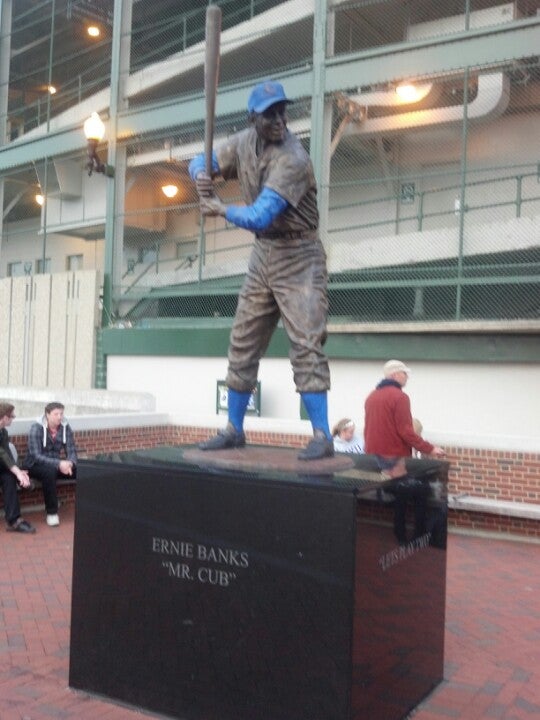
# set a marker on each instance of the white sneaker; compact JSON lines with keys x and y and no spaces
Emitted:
{"x":53,"y":520}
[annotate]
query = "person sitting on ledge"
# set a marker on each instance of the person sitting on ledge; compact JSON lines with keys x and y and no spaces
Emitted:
{"x":390,"y":436}
{"x":11,"y":474}
{"x":48,"y":441}
{"x":345,"y":438}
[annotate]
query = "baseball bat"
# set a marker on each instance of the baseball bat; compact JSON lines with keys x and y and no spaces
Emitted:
{"x":211,"y":75}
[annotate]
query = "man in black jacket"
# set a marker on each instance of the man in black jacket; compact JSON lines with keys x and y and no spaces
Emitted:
{"x":51,"y":455}
{"x":10,"y":475}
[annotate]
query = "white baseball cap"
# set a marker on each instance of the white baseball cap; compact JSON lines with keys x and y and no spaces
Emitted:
{"x":393,"y":366}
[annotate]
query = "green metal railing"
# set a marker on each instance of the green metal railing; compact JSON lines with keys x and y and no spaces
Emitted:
{"x":510,"y":270}
{"x":469,"y":264}
{"x":518,"y":200}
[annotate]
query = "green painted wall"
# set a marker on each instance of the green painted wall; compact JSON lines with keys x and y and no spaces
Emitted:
{"x":192,"y":341}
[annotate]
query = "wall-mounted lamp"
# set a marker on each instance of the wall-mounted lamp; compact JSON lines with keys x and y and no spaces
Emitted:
{"x":94,"y":130}
{"x":93,"y":31}
{"x":169,"y":191}
{"x":407,"y":92}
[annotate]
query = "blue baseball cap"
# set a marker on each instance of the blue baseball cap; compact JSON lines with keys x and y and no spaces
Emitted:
{"x":265,"y":94}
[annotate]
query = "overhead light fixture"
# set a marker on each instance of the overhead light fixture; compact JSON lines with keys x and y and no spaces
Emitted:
{"x":169,"y":191}
{"x":39,"y":199}
{"x":407,"y":92}
{"x":94,"y":130}
{"x":51,"y":90}
{"x":93,"y":31}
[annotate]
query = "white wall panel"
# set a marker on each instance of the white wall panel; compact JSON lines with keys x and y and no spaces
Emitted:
{"x":5,"y":322}
{"x":469,"y":404}
{"x":38,"y":343}
{"x":85,"y":309}
{"x":58,"y":333}
{"x":48,"y":330}
{"x":18,"y":337}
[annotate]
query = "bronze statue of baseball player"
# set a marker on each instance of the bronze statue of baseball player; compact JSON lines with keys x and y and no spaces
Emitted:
{"x":287,"y":274}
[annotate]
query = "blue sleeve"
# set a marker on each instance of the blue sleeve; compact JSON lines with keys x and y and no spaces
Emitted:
{"x":261,"y":214}
{"x":198,"y":164}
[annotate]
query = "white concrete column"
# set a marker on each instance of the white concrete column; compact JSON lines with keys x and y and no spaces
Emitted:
{"x":5,"y":55}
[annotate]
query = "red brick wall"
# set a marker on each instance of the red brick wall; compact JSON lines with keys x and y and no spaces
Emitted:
{"x":494,"y":474}
{"x":500,"y":475}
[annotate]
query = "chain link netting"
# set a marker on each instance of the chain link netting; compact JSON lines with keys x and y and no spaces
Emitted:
{"x":429,"y":183}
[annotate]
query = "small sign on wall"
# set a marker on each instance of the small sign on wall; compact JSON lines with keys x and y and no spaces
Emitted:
{"x":407,"y":193}
{"x":222,"y":399}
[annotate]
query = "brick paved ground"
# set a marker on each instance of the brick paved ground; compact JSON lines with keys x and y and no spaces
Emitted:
{"x":492,"y":631}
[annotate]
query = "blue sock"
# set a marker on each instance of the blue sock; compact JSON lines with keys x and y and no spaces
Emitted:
{"x":316,"y":404}
{"x":238,"y":402}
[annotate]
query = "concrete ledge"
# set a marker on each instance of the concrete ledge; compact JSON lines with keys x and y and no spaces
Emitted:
{"x":30,"y":401}
{"x":80,"y":423}
{"x":508,"y":508}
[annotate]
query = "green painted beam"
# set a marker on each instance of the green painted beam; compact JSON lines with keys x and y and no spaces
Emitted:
{"x":180,"y":341}
{"x":440,"y":347}
{"x":482,"y":47}
{"x":188,"y":342}
{"x":487,"y":46}
{"x":23,"y":152}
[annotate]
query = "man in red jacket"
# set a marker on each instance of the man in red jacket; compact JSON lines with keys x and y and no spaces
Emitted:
{"x":389,"y":434}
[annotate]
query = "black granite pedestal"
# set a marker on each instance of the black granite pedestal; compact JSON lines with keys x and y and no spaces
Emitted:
{"x":207,"y":593}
